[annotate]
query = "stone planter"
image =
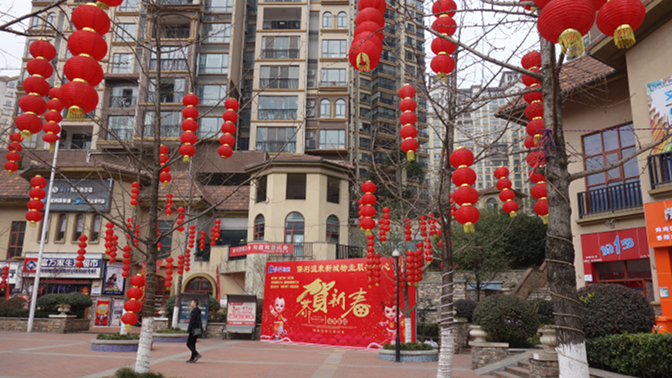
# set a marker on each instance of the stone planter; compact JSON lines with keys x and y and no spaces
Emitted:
{"x":170,"y":337}
{"x":63,"y":308}
{"x":114,"y":345}
{"x":478,"y":333}
{"x":548,"y":336}
{"x":410,"y":355}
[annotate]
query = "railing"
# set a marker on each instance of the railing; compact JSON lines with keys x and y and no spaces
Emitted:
{"x":176,"y":2}
{"x":277,"y":114}
{"x":276,"y":146}
{"x":282,"y":24}
{"x":123,"y":102}
{"x":333,"y":83}
{"x":617,"y":197}
{"x":279,"y":83}
{"x":280,"y":54}
{"x":301,"y":251}
{"x":167,"y":131}
{"x":348,"y":252}
{"x":660,"y":169}
{"x":333,"y":54}
{"x":124,"y":134}
{"x":332,"y":146}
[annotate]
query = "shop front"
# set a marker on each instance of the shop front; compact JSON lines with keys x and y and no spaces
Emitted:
{"x":659,"y":228}
{"x":13,"y":279}
{"x":59,"y":275}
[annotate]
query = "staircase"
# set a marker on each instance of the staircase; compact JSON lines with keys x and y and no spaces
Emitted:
{"x":521,"y":370}
{"x":533,"y":280}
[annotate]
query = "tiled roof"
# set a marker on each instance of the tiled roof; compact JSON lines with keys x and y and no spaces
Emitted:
{"x":300,"y":159}
{"x":62,"y":166}
{"x":574,"y":75}
{"x":181,"y":186}
{"x":235,"y":198}
{"x":13,"y":186}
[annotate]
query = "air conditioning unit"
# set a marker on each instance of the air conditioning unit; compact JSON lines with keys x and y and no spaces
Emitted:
{"x":312,"y":73}
{"x":353,"y":222}
{"x":311,"y":84}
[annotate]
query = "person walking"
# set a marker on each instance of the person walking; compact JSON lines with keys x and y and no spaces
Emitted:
{"x":194,"y":330}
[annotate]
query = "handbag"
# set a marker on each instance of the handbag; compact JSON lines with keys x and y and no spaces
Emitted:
{"x":196,"y":331}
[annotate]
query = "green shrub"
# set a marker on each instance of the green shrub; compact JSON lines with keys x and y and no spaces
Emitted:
{"x":612,"y":308}
{"x":171,"y":330}
{"x":544,"y":310}
{"x":16,"y":302}
{"x":78,"y":303}
{"x":640,"y":355}
{"x":117,"y":336}
{"x":508,"y":319}
{"x":464,"y":308}
{"x":11,"y":312}
{"x":217,"y":317}
{"x":409,"y":346}
{"x":129,"y":373}
{"x":430,"y":330}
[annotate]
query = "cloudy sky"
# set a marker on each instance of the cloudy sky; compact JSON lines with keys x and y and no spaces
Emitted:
{"x":11,"y":46}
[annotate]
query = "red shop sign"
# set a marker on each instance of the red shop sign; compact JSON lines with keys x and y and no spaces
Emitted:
{"x":261,"y":248}
{"x":330,"y":302}
{"x":618,"y":245}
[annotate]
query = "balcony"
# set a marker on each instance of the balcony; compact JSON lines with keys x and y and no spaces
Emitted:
{"x":348,"y":252}
{"x":167,"y":131}
{"x":333,"y":83}
{"x":610,"y":199}
{"x":280,"y":53}
{"x":282,"y":25}
{"x":660,"y":169}
{"x":123,"y":133}
{"x":278,"y":83}
{"x":276,"y":146}
{"x":123,"y":102}
{"x":302,"y":251}
{"x":277,"y":114}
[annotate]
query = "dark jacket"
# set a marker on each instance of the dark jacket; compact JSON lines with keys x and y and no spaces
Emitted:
{"x":195,"y":320}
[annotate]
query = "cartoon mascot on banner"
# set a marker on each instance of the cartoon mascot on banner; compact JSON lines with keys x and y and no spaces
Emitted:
{"x":390,"y":322}
{"x":279,"y":330}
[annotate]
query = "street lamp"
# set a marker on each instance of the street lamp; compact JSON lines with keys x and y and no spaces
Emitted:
{"x":397,"y":350}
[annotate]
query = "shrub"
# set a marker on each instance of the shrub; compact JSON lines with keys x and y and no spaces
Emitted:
{"x":409,"y":346}
{"x":544,"y":310}
{"x":464,"y":308}
{"x":117,"y":336}
{"x":430,"y":330}
{"x":11,"y":312}
{"x":78,"y":303}
{"x":217,"y":317}
{"x":507,"y":319}
{"x":611,"y":308}
{"x":129,"y":373}
{"x":171,"y":330}
{"x":16,"y":302}
{"x":639,"y":355}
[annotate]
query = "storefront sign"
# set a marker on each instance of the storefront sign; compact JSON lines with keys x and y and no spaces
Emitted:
{"x":659,"y":223}
{"x":14,"y":267}
{"x":62,"y":265}
{"x":114,"y":281}
{"x":102,"y":311}
{"x":330,"y":302}
{"x":241,"y":313}
{"x":261,"y":248}
{"x":618,"y":245}
{"x":81,"y":195}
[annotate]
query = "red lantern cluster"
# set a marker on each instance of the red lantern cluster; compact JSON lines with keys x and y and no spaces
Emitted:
{"x":169,"y":204}
{"x":191,"y":244}
{"x":465,"y":195}
{"x":81,"y":252}
{"x":414,"y":263}
{"x":408,"y":119}
{"x":5,"y":275}
{"x":135,"y":194}
{"x":165,"y":176}
{"x":535,"y":108}
{"x":180,"y":219}
{"x":109,"y":242}
{"x":384,"y":224}
{"x":36,"y":87}
{"x":367,"y":223}
{"x":424,"y":221}
{"x":506,"y":195}
{"x":228,"y":140}
{"x":133,"y":305}
{"x":367,"y":41}
{"x":620,"y":19}
{"x":373,"y":261}
{"x":14,"y":154}
{"x":215,"y":232}
{"x":180,"y":264}
{"x":443,"y":63}
{"x":53,"y":117}
{"x":539,"y":193}
{"x":201,"y":241}
{"x":35,"y":205}
{"x":566,"y":22}
{"x":189,"y":126}
{"x":126,"y":261}
{"x":169,"y":272}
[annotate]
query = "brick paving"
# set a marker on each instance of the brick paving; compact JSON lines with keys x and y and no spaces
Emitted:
{"x":42,"y":355}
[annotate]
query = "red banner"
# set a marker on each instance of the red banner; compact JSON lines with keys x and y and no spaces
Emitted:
{"x":330,"y":302}
{"x":102,"y":311}
{"x":261,"y":248}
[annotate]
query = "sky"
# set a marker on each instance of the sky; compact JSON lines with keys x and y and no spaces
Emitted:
{"x":12,"y":46}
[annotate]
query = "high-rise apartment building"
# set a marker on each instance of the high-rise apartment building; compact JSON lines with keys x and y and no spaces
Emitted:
{"x":7,"y":99}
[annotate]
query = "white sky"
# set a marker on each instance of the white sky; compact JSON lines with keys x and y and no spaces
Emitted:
{"x":11,"y":46}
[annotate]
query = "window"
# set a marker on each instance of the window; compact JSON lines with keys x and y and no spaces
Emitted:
{"x":15,"y":247}
{"x":125,"y":33}
{"x":211,"y":94}
{"x":129,"y":6}
{"x":51,"y":19}
{"x":60,"y":228}
{"x":279,"y":77}
{"x":294,"y":225}
{"x":606,"y":147}
{"x":325,"y":108}
{"x":276,"y":139}
{"x":216,"y":33}
{"x":95,"y":229}
{"x":280,"y":47}
{"x":167,"y":241}
{"x":339,"y":108}
{"x":262,"y":183}
{"x":35,"y":22}
{"x":171,"y":90}
{"x":222,"y":6}
{"x":122,"y":63}
{"x":332,"y":139}
{"x":334,"y":48}
{"x":171,"y":59}
{"x":79,"y":227}
{"x":170,"y":124}
{"x":278,"y":108}
{"x":180,"y":30}
{"x":296,"y":186}
{"x":199,"y":285}
{"x":213,"y":63}
{"x":121,"y":127}
{"x":342,"y":21}
{"x":327,"y":20}
{"x":332,"y":229}
{"x":334,"y":189}
{"x":259,"y":227}
{"x":208,"y":127}
{"x":332,"y":77}
{"x":123,"y":97}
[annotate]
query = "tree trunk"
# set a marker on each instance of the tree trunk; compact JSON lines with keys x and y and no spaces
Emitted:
{"x":571,"y":347}
{"x":144,"y":349}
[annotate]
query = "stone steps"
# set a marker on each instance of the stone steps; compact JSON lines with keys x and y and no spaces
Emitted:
{"x":518,"y":371}
{"x":503,"y":374}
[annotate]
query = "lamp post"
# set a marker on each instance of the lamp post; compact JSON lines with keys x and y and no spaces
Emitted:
{"x":397,"y":350}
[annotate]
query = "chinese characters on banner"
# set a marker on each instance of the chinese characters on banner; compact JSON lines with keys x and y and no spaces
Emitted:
{"x":62,"y":265}
{"x":330,"y":302}
{"x":629,"y":244}
{"x":659,"y":223}
{"x":241,"y":313}
{"x":261,"y":248}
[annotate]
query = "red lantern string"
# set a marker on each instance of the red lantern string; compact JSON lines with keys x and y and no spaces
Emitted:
{"x":189,"y":126}
{"x":113,"y":249}
{"x":192,"y":243}
{"x":5,"y":275}
{"x":506,"y":195}
{"x":136,"y":242}
{"x":465,"y":195}
{"x":35,"y":205}
{"x":214,"y":233}
{"x":169,"y":272}
{"x":53,"y":118}
{"x":135,"y":194}
{"x":227,"y":140}
{"x":370,"y":256}
{"x":620,"y":19}
{"x":443,"y":63}
{"x":539,"y":193}
{"x":566,"y":22}
{"x":201,"y":241}
{"x":36,"y":87}
{"x":81,"y":252}
{"x":133,"y":305}
{"x":368,"y":211}
{"x":384,"y":224}
{"x":180,"y":264}
{"x":408,"y":119}
{"x":180,"y":219}
{"x":14,"y":154}
{"x":126,"y":261}
{"x":367,"y":42}
{"x":169,"y":204}
{"x":165,"y":176}
{"x":109,"y":232}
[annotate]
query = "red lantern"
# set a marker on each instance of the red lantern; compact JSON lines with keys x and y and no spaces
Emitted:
{"x":445,"y":25}
{"x":461,"y":157}
{"x":501,"y":172}
{"x":442,"y":65}
{"x":566,"y":22}
{"x":133,"y":305}
{"x":465,"y":195}
{"x":90,"y":16}
{"x":531,"y":60}
{"x":81,"y":252}
{"x":464,"y":175}
{"x":36,"y":194}
{"x":468,"y":216}
{"x":442,"y":45}
{"x":620,"y":19}
{"x":227,"y":140}
{"x":541,"y":208}
{"x":365,"y":51}
{"x":444,"y":8}
{"x":135,"y":194}
{"x":534,"y":110}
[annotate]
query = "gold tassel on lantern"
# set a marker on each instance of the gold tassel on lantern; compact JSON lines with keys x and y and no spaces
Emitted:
{"x":410,"y":155}
{"x":75,"y":113}
{"x":512,"y":214}
{"x":624,"y":37}
{"x":544,"y":218}
{"x":572,"y":43}
{"x":363,"y":62}
{"x":186,"y":159}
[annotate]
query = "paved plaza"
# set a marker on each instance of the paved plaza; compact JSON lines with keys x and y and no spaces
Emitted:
{"x":44,"y":355}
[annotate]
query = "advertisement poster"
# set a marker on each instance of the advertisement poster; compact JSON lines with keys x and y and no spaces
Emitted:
{"x":241,"y":313}
{"x":102,"y":311}
{"x":62,"y":265}
{"x":117,"y":312}
{"x":185,"y":309}
{"x":261,"y":248}
{"x":330,"y":302}
{"x":659,"y":96}
{"x":114,"y":281}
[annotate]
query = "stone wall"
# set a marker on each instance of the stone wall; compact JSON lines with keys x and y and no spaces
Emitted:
{"x":544,"y":368}
{"x":461,"y":336}
{"x":487,"y":353}
{"x":215,"y":331}
{"x":53,"y":324}
{"x":160,"y":324}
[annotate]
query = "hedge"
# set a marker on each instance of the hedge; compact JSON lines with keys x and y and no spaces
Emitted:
{"x":409,"y":346}
{"x":507,"y":319}
{"x":643,"y":355}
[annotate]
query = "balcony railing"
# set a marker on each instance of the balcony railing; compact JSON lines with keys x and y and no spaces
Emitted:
{"x":348,"y":252}
{"x":280,"y":54}
{"x":279,"y":83}
{"x":333,"y":83}
{"x":167,"y":131}
{"x":610,"y":199}
{"x":660,"y":169}
{"x":276,"y":146}
{"x":176,"y":2}
{"x":123,"y":102}
{"x":301,"y":251}
{"x":282,"y":24}
{"x":277,"y":114}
